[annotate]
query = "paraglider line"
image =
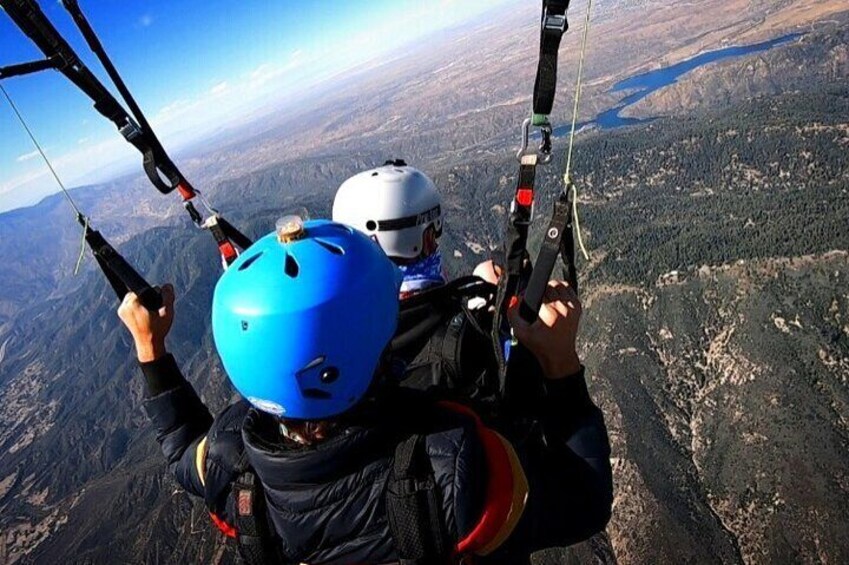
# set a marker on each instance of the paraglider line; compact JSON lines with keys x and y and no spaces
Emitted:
{"x":65,"y":192}
{"x":40,"y":151}
{"x":567,"y":178}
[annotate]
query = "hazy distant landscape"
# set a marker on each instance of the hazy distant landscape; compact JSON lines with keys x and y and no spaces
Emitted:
{"x":716,"y":331}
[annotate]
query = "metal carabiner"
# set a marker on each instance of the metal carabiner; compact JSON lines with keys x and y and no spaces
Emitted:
{"x":209,"y":207}
{"x":196,"y":216}
{"x":543,"y":152}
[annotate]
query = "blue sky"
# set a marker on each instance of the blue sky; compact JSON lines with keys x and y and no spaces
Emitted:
{"x":190,"y":64}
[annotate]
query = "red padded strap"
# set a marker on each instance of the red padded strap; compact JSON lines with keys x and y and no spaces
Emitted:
{"x":500,"y":488}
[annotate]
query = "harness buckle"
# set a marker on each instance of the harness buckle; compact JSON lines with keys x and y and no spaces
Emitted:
{"x":554,"y":22}
{"x":130,"y":130}
{"x":226,"y":249}
{"x":543,"y":152}
{"x":529,"y":212}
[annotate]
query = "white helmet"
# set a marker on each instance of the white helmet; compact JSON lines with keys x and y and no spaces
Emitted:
{"x":395,"y":205}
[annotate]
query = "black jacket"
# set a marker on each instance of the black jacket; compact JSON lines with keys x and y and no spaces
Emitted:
{"x":326,"y":503}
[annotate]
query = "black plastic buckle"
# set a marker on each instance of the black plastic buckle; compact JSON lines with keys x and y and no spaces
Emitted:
{"x":554,"y":22}
{"x":130,"y":130}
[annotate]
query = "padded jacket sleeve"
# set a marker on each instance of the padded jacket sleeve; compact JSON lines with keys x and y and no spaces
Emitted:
{"x":567,"y":464}
{"x":180,"y":418}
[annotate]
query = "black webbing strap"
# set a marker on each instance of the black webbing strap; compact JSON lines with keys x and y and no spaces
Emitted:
{"x":122,"y":277}
{"x":516,"y":261}
{"x":558,"y":241}
{"x":552,"y":28}
{"x":519,"y":221}
{"x":227,"y":238}
{"x":233,"y":234}
{"x":414,"y":508}
{"x":256,"y":542}
{"x":26,"y":68}
{"x":157,"y":165}
{"x":449,"y":349}
{"x":30,"y":19}
{"x":156,"y":160}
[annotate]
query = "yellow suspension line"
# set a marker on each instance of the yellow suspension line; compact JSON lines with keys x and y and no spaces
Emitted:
{"x":567,"y":180}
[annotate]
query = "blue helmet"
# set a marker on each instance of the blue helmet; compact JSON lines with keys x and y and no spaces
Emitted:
{"x":300,"y":325}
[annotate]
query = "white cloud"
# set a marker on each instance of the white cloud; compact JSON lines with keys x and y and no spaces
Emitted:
{"x":74,"y":166}
{"x":269,"y":71}
{"x":261,"y":71}
{"x":219,"y":88}
{"x":21,"y":180}
{"x":27,"y":156}
{"x":262,"y":74}
{"x":175,"y":108}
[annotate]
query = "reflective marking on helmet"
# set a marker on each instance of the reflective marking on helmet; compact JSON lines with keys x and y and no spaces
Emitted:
{"x":312,"y":364}
{"x":267,"y":406}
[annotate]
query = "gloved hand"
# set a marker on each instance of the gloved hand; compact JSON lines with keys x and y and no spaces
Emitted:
{"x":149,"y":329}
{"x":551,"y":338}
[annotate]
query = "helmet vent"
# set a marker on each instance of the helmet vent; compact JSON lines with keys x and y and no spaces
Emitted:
{"x":333,"y":248}
{"x":316,"y":394}
{"x":291,"y":267}
{"x":347,"y":230}
{"x":250,"y":261}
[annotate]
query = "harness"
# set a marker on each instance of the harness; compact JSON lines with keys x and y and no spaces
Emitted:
{"x":523,"y":283}
{"x":412,"y":503}
{"x":413,"y":499}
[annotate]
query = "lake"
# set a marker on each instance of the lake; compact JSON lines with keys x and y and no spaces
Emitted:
{"x":646,"y":83}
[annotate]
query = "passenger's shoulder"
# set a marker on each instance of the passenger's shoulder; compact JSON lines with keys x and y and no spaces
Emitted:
{"x":224,"y":454}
